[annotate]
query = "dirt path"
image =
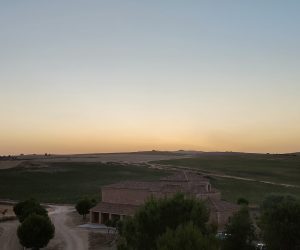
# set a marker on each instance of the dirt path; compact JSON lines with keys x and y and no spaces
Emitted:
{"x":72,"y":238}
{"x":66,"y":237}
{"x":9,"y":164}
{"x":8,"y":238}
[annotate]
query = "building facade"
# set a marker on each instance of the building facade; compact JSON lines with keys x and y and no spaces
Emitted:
{"x":123,"y":199}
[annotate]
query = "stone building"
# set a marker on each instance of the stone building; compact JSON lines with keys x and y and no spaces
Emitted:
{"x":124,"y":198}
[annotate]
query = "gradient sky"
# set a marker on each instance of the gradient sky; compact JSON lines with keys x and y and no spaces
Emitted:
{"x":103,"y":76}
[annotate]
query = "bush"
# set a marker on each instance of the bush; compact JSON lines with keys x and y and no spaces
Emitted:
{"x":26,"y":208}
{"x":242,"y":201}
{"x":156,"y":215}
{"x":83,"y":206}
{"x":186,"y":237}
{"x":239,"y":231}
{"x":280,"y":222}
{"x":36,"y":231}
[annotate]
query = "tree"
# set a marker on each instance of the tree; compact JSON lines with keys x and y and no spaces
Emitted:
{"x":83,"y":207}
{"x":239,"y":231}
{"x":156,"y":215}
{"x":280,"y":222}
{"x":93,"y":202}
{"x":272,"y":201}
{"x":242,"y":201}
{"x":25,"y":208}
{"x":186,"y":237}
{"x":36,"y":231}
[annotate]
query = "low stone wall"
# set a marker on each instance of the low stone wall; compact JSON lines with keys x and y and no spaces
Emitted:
{"x":9,"y":215}
{"x":7,"y":218}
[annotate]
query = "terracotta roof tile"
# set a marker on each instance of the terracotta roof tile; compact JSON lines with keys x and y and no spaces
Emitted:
{"x":136,"y":185}
{"x":220,"y":205}
{"x":123,"y":209}
{"x":185,"y":177}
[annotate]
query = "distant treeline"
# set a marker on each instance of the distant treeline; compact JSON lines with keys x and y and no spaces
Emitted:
{"x":8,"y":157}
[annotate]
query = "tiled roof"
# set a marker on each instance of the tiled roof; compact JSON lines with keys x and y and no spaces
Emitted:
{"x":179,"y":178}
{"x":185,"y":182}
{"x":199,"y":189}
{"x":123,"y":209}
{"x":167,"y":188}
{"x":136,"y":185}
{"x":164,"y":187}
{"x":221,"y":206}
{"x":126,"y":209}
{"x":185,"y":176}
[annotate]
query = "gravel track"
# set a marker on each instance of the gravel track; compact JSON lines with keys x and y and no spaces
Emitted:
{"x":66,"y":237}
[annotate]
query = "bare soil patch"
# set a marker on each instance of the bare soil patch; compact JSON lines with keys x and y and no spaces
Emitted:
{"x":101,"y":241}
{"x":96,"y":240}
{"x":6,"y":212}
{"x":9,"y":164}
{"x":74,"y":219}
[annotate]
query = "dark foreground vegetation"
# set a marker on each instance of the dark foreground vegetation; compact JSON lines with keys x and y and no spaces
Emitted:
{"x":169,"y":224}
{"x":181,"y":223}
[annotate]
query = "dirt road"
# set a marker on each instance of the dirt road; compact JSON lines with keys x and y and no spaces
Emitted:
{"x":66,"y":237}
{"x":71,"y":238}
{"x":8,"y":238}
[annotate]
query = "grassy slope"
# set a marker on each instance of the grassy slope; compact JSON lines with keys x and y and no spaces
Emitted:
{"x":255,"y":192}
{"x":275,"y":168}
{"x":67,"y":182}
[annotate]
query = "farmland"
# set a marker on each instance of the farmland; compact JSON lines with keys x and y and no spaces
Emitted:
{"x":66,"y":182}
{"x":275,"y":168}
{"x":278,"y":169}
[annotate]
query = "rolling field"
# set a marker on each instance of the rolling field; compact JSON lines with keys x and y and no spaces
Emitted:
{"x":280,"y":169}
{"x":67,"y":182}
{"x":275,"y":168}
{"x":254,"y":192}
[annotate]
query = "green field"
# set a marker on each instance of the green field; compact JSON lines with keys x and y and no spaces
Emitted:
{"x":275,"y":168}
{"x":254,"y":192}
{"x":67,"y":182}
{"x":263,"y":167}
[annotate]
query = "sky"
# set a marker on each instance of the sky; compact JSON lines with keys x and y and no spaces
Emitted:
{"x":109,"y":76}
